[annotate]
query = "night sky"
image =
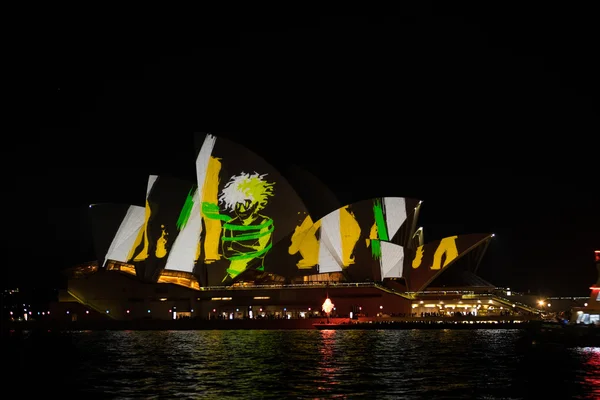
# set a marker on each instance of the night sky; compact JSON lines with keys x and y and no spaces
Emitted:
{"x":487,"y":118}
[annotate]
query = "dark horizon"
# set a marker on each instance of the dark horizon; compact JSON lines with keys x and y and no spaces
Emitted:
{"x":487,"y":124}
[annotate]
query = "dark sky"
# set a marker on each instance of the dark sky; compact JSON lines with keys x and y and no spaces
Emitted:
{"x":490,"y":118}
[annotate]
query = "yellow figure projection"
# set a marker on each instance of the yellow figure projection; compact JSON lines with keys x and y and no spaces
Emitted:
{"x":304,"y":240}
{"x":448,"y":248}
{"x":161,"y":243}
{"x":142,"y":236}
{"x":247,"y":236}
{"x":416,"y":262}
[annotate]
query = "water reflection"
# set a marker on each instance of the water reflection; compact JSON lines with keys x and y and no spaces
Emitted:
{"x":380,"y":364}
{"x":328,"y":370}
{"x":590,"y":371}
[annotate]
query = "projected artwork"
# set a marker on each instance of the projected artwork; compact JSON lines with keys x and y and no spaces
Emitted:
{"x":428,"y":260}
{"x":123,"y":243}
{"x":117,"y":228}
{"x":247,"y":207}
{"x":241,"y":220}
{"x":185,"y":249}
{"x":109,"y":223}
{"x":349,"y":239}
{"x":167,"y":211}
{"x":247,"y":235}
{"x":392,"y":260}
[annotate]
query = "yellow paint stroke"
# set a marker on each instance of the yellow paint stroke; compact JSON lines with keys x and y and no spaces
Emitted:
{"x":236,"y":267}
{"x":161,"y":243}
{"x":446,"y":247}
{"x":350,"y":233}
{"x":210,"y":191}
{"x":304,"y":240}
{"x":142,"y":236}
{"x":198,"y":251}
{"x":373,"y":235}
{"x":416,"y":262}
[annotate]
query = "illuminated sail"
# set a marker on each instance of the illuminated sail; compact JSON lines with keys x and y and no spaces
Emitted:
{"x":124,"y":240}
{"x":392,"y":260}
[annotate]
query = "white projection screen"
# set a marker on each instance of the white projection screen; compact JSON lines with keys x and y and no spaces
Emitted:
{"x":392,"y":260}
{"x":124,"y":240}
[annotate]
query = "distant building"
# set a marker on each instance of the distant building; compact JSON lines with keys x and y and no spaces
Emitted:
{"x":590,"y":312}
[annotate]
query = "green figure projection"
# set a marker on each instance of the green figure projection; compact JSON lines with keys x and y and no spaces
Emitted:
{"x":247,"y":236}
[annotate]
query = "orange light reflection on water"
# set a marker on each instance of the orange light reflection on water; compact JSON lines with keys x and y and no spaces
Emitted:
{"x":328,"y":369}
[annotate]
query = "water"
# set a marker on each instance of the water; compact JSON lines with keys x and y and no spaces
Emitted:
{"x":301,"y":364}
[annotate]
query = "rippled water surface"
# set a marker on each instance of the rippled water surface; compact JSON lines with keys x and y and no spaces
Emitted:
{"x":410,"y":364}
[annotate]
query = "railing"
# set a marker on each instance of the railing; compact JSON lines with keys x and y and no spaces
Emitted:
{"x":470,"y":295}
{"x":289,"y":286}
{"x":444,"y":292}
{"x":509,"y":302}
{"x":392,"y":291}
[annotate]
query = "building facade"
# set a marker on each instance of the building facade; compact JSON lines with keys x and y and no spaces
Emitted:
{"x":241,"y":242}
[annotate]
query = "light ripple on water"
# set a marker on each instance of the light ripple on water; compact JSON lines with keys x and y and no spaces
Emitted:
{"x":304,"y":364}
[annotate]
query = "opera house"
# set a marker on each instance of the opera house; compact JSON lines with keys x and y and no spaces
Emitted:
{"x":245,"y":242}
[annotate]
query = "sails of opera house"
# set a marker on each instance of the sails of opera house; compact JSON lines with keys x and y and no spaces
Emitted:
{"x":243,"y":241}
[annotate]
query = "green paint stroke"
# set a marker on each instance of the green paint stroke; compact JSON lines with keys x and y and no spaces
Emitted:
{"x":186,"y":211}
{"x":211,"y":211}
{"x":248,"y":236}
{"x":376,"y":249}
{"x":251,"y":254}
{"x":234,"y":227}
{"x":382,"y":233}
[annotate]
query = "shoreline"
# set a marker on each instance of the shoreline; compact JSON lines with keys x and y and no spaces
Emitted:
{"x":256,"y":324}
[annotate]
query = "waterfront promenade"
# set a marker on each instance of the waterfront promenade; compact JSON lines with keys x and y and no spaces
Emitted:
{"x":472,"y":322}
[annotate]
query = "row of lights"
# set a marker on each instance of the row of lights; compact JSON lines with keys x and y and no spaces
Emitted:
{"x":460,"y":302}
{"x":29,"y":312}
{"x":542,"y":303}
{"x":192,"y":310}
{"x":108,"y":311}
{"x":285,"y":309}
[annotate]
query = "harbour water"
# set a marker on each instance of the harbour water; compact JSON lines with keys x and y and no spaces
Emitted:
{"x":298,"y":364}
